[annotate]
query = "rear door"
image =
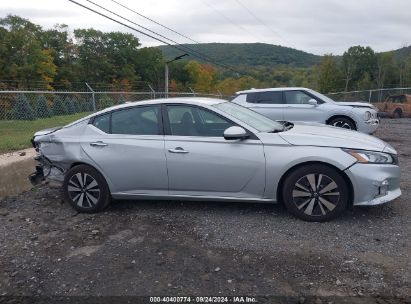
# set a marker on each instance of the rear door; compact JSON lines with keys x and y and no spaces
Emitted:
{"x":268,"y":103}
{"x":127,"y":146}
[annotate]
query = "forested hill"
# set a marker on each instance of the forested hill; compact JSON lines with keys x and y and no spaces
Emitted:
{"x":248,"y":54}
{"x":402,"y":53}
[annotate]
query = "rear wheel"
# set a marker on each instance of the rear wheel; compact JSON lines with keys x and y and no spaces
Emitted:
{"x":397,"y":113}
{"x":86,"y":189}
{"x":342,"y":122}
{"x":315,"y":193}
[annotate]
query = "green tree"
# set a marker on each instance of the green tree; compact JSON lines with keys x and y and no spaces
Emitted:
{"x":405,"y":71}
{"x":22,"y":109}
{"x":121,"y":99}
{"x":329,"y":75}
{"x":229,"y":86}
{"x":85,"y":105}
{"x":69,"y":104}
{"x":107,"y":57}
{"x":59,"y":107}
{"x":22,"y":56}
{"x":365,"y":83}
{"x":42,"y":108}
{"x":179,"y":78}
{"x":63,"y":51}
{"x":149,"y":66}
{"x":93,"y":63}
{"x":202,"y":77}
{"x":385,"y":65}
{"x":105,"y":102}
{"x":356,"y":62}
{"x":76,"y":104}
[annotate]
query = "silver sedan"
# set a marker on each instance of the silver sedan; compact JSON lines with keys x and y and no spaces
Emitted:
{"x":211,"y":149}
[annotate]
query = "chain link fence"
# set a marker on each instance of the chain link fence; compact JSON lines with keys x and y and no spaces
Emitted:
{"x":371,"y":96}
{"x":30,"y":105}
{"x":24,"y":112}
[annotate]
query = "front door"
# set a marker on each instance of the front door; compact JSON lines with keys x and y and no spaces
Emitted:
{"x":297,"y":108}
{"x":201,"y":162}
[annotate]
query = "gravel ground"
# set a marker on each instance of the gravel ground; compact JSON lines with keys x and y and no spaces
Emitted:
{"x":199,"y":248}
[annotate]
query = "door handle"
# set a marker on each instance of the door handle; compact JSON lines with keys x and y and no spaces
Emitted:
{"x":98,"y":144}
{"x":177,"y":150}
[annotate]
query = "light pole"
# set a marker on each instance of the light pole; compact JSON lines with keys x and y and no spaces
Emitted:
{"x":166,"y":72}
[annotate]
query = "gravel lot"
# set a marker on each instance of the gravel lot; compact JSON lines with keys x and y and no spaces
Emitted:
{"x":198,"y":248}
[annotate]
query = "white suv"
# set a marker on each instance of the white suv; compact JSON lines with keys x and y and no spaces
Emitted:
{"x":306,"y":105}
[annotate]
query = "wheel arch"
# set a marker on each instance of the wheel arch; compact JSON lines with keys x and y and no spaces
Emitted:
{"x":343,"y":174}
{"x":78,"y":163}
{"x":342,"y":116}
{"x":398,"y":110}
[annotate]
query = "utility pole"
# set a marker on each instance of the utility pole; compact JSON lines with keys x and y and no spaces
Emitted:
{"x":166,"y":80}
{"x":166,"y":73}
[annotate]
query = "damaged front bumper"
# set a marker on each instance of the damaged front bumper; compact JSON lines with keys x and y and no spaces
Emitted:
{"x":374,"y":184}
{"x":368,"y":126}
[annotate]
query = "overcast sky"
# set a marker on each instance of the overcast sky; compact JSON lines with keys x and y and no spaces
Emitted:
{"x":316,"y":26}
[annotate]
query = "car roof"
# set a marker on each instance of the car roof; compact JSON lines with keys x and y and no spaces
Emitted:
{"x":183,"y":100}
{"x":271,"y":89}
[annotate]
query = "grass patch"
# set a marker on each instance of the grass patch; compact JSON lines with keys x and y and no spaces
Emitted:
{"x":16,"y":134}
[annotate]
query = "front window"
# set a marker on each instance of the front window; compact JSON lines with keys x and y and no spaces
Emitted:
{"x":194,"y":121}
{"x":320,"y":96}
{"x":297,"y":97}
{"x":249,"y":117}
{"x":399,"y":99}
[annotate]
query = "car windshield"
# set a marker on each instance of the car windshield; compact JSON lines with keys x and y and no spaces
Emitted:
{"x":251,"y":118}
{"x":322,"y":96}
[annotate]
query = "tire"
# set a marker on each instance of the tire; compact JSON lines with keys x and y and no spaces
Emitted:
{"x":85,"y":189}
{"x":397,"y":113}
{"x":304,"y":196}
{"x":342,"y":122}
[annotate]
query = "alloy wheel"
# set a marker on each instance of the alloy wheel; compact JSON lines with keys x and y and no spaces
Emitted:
{"x":341,"y":124}
{"x":316,"y":194}
{"x":84,"y":190}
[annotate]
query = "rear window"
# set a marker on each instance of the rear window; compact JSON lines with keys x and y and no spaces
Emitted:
{"x":143,"y":120}
{"x":102,"y":122}
{"x":136,"y":121}
{"x":270,"y":97}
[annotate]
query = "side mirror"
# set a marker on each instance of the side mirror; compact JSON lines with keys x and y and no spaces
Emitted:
{"x":235,"y":133}
{"x":313,"y":102}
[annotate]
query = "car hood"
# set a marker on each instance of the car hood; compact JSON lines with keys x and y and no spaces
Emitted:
{"x":356,"y":104}
{"x":327,"y":136}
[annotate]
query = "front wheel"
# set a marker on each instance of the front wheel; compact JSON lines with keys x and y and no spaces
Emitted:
{"x":315,"y":193}
{"x":86,"y":189}
{"x":342,"y":122}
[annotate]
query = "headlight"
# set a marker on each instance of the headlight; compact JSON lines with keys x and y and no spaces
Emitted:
{"x":367,"y":115}
{"x":371,"y":157}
